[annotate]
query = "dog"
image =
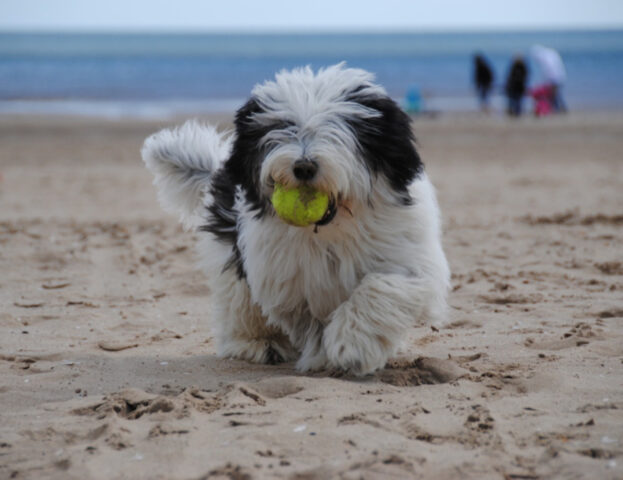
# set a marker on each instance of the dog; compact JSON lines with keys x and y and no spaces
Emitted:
{"x":337,"y":295}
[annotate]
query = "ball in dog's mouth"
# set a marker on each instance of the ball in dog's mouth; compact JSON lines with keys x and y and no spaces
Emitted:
{"x":303,"y":205}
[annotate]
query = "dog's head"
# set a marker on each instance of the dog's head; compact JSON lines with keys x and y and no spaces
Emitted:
{"x":335,"y":130}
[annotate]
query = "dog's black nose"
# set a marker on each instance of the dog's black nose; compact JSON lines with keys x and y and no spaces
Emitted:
{"x":305,"y":169}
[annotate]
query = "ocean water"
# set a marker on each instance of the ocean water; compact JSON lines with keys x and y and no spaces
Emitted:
{"x":155,"y":75}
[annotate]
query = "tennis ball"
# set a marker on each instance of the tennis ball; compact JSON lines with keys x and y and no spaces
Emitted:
{"x":300,"y":206}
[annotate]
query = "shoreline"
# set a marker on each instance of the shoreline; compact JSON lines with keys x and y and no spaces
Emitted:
{"x":493,"y":118}
{"x":175,"y":108}
{"x":460,"y":119}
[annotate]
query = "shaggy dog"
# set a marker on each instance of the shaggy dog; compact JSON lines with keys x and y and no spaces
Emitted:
{"x":340,"y":294}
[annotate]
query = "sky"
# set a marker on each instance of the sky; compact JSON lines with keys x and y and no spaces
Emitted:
{"x":314,"y":15}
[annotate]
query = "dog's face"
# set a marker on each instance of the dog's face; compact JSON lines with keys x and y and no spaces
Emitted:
{"x":335,"y":130}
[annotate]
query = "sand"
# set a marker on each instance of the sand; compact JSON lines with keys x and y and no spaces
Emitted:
{"x":107,"y":365}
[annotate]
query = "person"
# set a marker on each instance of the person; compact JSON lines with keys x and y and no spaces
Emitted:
{"x":516,"y":82}
{"x":483,"y":80}
{"x":542,"y":95}
{"x":554,"y":73}
{"x":413,"y":100}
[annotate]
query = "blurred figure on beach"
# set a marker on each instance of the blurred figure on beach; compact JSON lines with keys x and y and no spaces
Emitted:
{"x":554,"y":74}
{"x":414,"y":103}
{"x":542,"y":96}
{"x":483,"y":80}
{"x":516,"y":82}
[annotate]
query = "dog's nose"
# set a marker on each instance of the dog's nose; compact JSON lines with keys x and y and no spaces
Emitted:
{"x":305,"y":169}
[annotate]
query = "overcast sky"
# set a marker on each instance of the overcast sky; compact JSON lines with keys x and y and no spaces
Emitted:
{"x":263,"y":15}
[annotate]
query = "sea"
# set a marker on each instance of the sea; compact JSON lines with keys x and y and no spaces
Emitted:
{"x":160,"y":75}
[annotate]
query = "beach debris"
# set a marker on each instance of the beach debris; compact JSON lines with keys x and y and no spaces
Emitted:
{"x":70,"y":362}
{"x":164,"y":334}
{"x":114,"y":346}
{"x":253,"y":395}
{"x":71,"y":303}
{"x":28,"y":305}
{"x":52,"y":286}
{"x":299,"y":428}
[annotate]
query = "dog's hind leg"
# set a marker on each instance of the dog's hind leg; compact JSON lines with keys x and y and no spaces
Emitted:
{"x":367,"y":329}
{"x":241,"y":329}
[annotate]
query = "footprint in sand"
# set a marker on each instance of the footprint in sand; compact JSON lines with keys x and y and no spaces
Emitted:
{"x":278,"y":387}
{"x":132,"y":404}
{"x":242,"y":395}
{"x":421,"y":371}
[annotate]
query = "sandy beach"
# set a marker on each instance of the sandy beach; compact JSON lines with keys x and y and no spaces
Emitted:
{"x":107,"y":364}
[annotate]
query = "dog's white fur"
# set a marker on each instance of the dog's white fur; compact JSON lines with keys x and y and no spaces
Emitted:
{"x":338,"y":296}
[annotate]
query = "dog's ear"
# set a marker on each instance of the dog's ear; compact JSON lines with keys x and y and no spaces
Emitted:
{"x":388,"y":143}
{"x":244,"y":164}
{"x":245,"y":113}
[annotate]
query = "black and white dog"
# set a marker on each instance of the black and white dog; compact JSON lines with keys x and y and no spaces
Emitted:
{"x":338,"y":294}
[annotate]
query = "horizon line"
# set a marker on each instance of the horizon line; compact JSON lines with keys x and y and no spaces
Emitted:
{"x":313,"y":30}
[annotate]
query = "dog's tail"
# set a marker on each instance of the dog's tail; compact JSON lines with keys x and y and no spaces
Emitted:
{"x":182,"y":161}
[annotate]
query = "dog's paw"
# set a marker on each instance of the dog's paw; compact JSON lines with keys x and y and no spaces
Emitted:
{"x":353,"y":351}
{"x":272,"y":356}
{"x":278,"y":352}
{"x":313,"y":356}
{"x":268,"y":351}
{"x":312,"y":361}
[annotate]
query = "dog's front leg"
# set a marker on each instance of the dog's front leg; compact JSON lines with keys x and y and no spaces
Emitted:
{"x":313,"y":355}
{"x":366,"y":329}
{"x":305,"y":334}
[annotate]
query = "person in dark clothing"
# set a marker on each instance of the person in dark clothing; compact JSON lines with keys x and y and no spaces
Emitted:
{"x":516,"y":85}
{"x":483,"y":80}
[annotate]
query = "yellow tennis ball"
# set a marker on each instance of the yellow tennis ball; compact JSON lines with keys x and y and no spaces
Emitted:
{"x":300,"y":206}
